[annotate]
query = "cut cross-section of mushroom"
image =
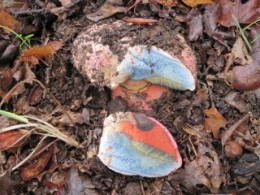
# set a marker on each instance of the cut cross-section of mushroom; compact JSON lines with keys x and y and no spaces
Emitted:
{"x":135,"y":144}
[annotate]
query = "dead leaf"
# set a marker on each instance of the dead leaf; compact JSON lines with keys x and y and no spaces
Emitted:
{"x":195,"y":24}
{"x":21,"y":72}
{"x":245,"y":12}
{"x":38,"y":51}
{"x":247,"y":77}
{"x":57,"y":181}
{"x":8,"y":49}
{"x":214,"y":121}
{"x":233,"y":149}
{"x":34,"y":169}
{"x":227,"y":134}
{"x":6,"y":78}
{"x":7,"y":20}
{"x":205,"y":170}
{"x":109,"y":8}
{"x":234,"y":99}
{"x":77,"y":118}
{"x":240,"y":52}
{"x":6,"y":184}
{"x":247,"y":164}
{"x":35,"y":95}
{"x":12,"y":139}
{"x":210,"y":18}
{"x":141,"y":21}
{"x":193,"y":3}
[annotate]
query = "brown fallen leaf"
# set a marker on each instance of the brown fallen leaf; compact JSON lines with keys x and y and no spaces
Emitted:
{"x":195,"y":24}
{"x":35,"y":95}
{"x":233,"y":149}
{"x":141,"y":21}
{"x":6,"y":78}
{"x":20,"y":72}
{"x":33,"y":170}
{"x":57,"y":181}
{"x":6,"y":184}
{"x":109,"y":8}
{"x":210,"y":18}
{"x":246,"y":12}
{"x":12,"y":139}
{"x":214,"y":121}
{"x":205,"y":171}
{"x":7,"y":20}
{"x":233,"y":98}
{"x":193,"y":3}
{"x":247,"y":77}
{"x":40,"y":51}
{"x":240,"y":53}
{"x":227,"y":134}
{"x":8,"y":49}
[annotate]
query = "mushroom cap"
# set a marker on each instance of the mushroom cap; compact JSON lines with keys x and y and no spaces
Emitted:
{"x":135,"y":144}
{"x":101,"y":52}
{"x":156,"y":66}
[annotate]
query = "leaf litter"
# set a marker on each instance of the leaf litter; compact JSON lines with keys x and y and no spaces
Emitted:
{"x":183,"y":113}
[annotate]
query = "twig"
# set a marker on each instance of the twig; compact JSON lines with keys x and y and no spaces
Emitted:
{"x":226,"y":135}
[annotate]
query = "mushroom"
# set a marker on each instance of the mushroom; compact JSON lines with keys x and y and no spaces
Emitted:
{"x":135,"y":144}
{"x":110,"y":54}
{"x":134,"y":63}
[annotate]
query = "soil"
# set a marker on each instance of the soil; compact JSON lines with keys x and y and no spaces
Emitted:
{"x":183,"y":110}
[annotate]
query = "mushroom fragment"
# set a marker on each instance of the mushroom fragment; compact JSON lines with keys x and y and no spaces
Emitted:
{"x":135,"y":144}
{"x":111,"y":53}
{"x":140,"y":94}
{"x":156,"y":66}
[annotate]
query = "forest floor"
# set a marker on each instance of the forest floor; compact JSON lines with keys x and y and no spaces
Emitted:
{"x":216,"y":126}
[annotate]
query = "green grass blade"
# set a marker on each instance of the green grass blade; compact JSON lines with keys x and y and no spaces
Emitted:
{"x":242,"y":32}
{"x":14,"y":116}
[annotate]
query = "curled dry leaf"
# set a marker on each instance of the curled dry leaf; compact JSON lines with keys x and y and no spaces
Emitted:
{"x":246,"y":12}
{"x":195,"y":24}
{"x":40,"y":51}
{"x":193,"y":3}
{"x":12,"y":139}
{"x":214,"y":121}
{"x":109,"y":8}
{"x":7,"y":20}
{"x":247,"y":77}
{"x":141,"y":21}
{"x":33,"y":170}
{"x":205,"y":170}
